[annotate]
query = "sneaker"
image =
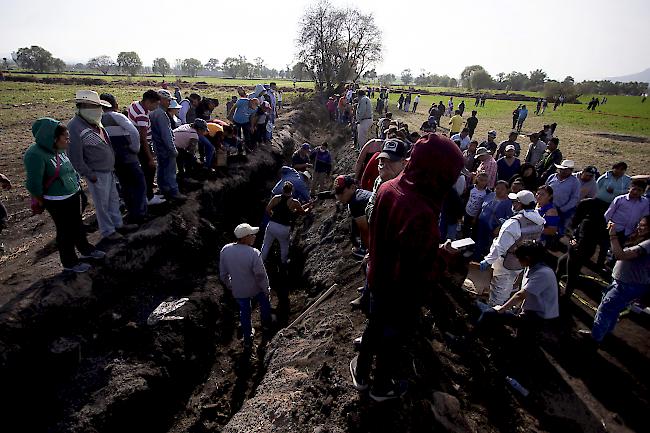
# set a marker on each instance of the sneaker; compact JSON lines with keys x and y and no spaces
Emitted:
{"x":357,"y":342}
{"x":126,"y":228}
{"x":357,"y":383}
{"x":357,"y":303}
{"x":396,"y":390}
{"x":157,"y":199}
{"x":79,"y":268}
{"x":115,"y":236}
{"x":95,"y":254}
{"x":359,"y":252}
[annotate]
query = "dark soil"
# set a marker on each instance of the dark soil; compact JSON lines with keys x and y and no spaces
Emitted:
{"x":77,"y":354}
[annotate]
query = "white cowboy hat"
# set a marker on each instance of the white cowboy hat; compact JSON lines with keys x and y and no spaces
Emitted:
{"x":567,"y":163}
{"x":90,"y":97}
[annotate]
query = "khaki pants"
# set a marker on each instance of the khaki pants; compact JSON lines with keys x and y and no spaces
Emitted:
{"x":502,"y":283}
{"x":362,"y":132}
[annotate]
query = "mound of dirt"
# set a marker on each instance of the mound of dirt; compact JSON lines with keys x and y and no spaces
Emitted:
{"x":79,"y":348}
{"x":457,"y":375}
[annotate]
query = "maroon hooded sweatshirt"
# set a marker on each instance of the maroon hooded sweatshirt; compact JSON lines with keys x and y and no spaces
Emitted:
{"x":404,"y":234}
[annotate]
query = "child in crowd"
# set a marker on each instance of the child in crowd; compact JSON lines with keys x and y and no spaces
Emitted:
{"x":474,"y":203}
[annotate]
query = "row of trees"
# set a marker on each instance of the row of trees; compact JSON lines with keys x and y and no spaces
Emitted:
{"x":475,"y":77}
{"x":39,"y":59}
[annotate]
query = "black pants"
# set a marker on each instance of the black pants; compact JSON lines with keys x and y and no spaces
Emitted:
{"x":149,"y":174}
{"x":245,"y":129}
{"x":514,"y":122}
{"x":186,"y":162}
{"x":133,"y":189}
{"x":383,"y":339}
{"x":69,"y":231}
{"x":3,"y":216}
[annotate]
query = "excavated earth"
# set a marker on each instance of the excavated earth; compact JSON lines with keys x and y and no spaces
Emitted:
{"x":77,"y":353}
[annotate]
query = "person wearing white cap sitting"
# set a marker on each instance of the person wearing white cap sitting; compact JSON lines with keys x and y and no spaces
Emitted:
{"x":566,"y":192}
{"x":242,"y":271}
{"x":525,"y":225}
{"x":164,"y":147}
{"x":93,"y":157}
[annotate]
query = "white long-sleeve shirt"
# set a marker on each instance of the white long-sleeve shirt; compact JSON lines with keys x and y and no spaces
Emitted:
{"x":510,"y":233}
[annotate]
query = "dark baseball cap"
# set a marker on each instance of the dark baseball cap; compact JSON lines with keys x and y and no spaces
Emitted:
{"x":393,"y":149}
{"x":341,"y":182}
{"x":200,"y":124}
{"x":590,"y":169}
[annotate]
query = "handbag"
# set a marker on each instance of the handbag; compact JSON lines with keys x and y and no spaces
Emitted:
{"x":36,"y":207}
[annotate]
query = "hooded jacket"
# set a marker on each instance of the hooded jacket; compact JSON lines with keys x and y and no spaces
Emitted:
{"x":40,"y":163}
{"x":404,"y":234}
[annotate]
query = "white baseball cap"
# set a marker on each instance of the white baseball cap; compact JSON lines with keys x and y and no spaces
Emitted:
{"x":245,"y":229}
{"x":524,"y":197}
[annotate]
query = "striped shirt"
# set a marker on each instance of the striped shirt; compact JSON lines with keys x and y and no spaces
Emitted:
{"x":140,"y":117}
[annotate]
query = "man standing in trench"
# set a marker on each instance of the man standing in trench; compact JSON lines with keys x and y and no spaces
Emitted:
{"x":404,"y":243}
{"x":364,"y":118}
{"x":242,"y":270}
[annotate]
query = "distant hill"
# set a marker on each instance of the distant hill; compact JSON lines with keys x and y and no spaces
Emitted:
{"x":643,"y":76}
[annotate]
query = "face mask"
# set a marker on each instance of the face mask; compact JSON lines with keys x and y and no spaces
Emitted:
{"x":92,"y":115}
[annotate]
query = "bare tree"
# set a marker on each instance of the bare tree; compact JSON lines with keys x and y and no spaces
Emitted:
{"x":337,"y":45}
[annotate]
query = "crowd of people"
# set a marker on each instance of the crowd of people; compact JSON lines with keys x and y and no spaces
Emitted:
{"x":134,"y":159}
{"x":521,"y":204}
{"x":411,"y":194}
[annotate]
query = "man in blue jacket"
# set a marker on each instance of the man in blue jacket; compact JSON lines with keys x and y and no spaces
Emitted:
{"x":163,"y":144}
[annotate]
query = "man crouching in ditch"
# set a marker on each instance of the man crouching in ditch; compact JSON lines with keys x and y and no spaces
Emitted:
{"x":404,"y":243}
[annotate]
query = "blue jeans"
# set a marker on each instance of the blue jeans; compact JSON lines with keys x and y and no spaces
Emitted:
{"x":617,"y":297}
{"x":245,"y":313}
{"x":167,"y":174}
{"x":565,"y":220}
{"x":206,"y":151}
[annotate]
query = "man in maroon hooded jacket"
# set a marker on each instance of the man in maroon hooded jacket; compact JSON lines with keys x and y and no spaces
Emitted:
{"x":404,"y":243}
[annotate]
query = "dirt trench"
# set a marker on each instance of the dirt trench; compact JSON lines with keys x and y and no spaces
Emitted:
{"x":76,"y":352}
{"x":456,"y":373}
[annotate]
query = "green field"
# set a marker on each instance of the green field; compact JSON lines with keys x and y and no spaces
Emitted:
{"x":621,"y":114}
{"x":62,"y":95}
{"x":218,"y":81}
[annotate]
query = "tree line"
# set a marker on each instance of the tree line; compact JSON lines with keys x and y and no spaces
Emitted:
{"x":475,"y":77}
{"x":39,"y":59}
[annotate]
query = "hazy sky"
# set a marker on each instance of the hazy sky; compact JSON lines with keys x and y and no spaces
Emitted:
{"x":588,"y":39}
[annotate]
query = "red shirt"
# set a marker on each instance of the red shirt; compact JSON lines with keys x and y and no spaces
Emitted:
{"x":371,"y":172}
{"x":404,"y":235}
